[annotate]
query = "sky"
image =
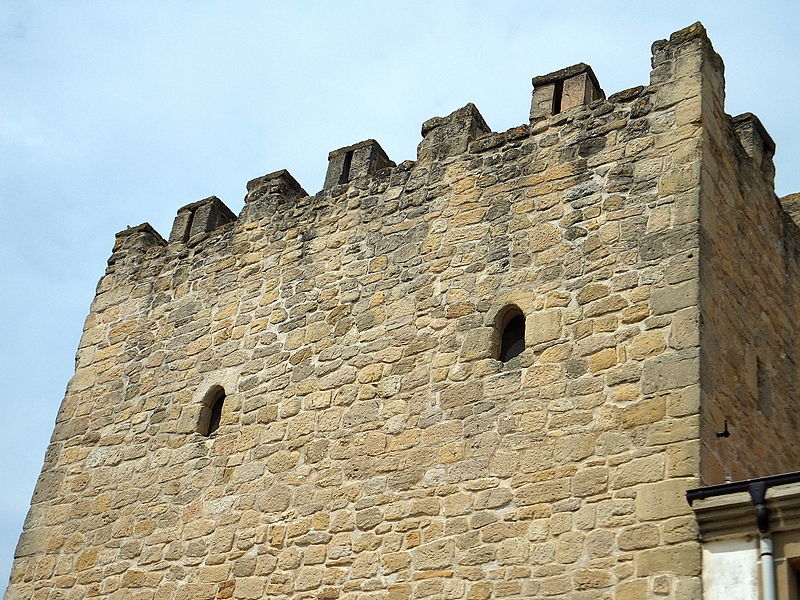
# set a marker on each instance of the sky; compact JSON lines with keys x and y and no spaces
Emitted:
{"x":117,"y":113}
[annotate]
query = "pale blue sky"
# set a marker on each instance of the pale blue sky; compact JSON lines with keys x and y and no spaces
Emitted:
{"x":115,"y":113}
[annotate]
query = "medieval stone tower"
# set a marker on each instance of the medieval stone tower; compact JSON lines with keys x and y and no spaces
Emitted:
{"x":491,"y":372}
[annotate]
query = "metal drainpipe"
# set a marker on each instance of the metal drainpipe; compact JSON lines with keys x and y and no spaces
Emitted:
{"x":767,"y":567}
{"x":758,"y":491}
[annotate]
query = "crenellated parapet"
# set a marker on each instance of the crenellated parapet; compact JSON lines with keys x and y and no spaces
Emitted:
{"x":569,"y":101}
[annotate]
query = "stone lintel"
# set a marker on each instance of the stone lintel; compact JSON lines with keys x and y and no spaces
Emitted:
{"x":359,"y":160}
{"x":200,"y":217}
{"x":451,"y":135}
{"x":279,"y":183}
{"x":565,"y":73}
{"x":564,"y":89}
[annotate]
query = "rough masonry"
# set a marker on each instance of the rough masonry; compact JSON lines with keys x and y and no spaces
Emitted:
{"x":371,"y":445}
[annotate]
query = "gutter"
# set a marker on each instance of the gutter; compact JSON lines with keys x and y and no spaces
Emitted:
{"x":757,"y":488}
{"x":740,"y":486}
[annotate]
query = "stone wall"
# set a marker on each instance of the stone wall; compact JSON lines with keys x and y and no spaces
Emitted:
{"x":371,"y":444}
{"x":749,"y":295}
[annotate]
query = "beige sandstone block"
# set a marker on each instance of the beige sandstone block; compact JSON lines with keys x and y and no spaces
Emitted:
{"x":626,"y":393}
{"x":638,"y":537}
{"x":605,"y":359}
{"x":395,"y":561}
{"x":685,"y":329}
{"x":555,"y":353}
{"x":635,"y":313}
{"x":681,"y":559}
{"x":87,"y":559}
{"x":592,"y":292}
{"x":663,"y":499}
{"x":215,"y":573}
{"x":599,"y":542}
{"x":674,"y":430}
{"x":592,"y":579}
{"x":632,"y":590}
{"x":249,"y":588}
{"x":399,"y":591}
{"x":589,"y":481}
{"x":639,"y":470}
{"x":481,"y":590}
{"x":569,"y":547}
{"x":646,"y":345}
{"x":434,"y":556}
{"x":542,"y":237}
{"x":539,"y":375}
{"x":452,"y":452}
{"x":680,"y":529}
{"x":543,"y":326}
{"x":683,"y":459}
{"x":545,"y":491}
{"x":576,"y":447}
{"x":199,"y":591}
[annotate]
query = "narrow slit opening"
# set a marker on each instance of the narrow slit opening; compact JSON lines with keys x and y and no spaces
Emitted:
{"x":558,"y":93}
{"x":348,"y":160}
{"x":187,"y":232}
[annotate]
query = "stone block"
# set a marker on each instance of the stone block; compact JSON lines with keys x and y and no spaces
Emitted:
{"x":639,"y":470}
{"x":756,"y":141}
{"x":646,"y":345}
{"x":436,"y":555}
{"x":279,"y":185}
{"x":542,"y":326}
{"x":562,"y":90}
{"x":587,"y":579}
{"x":138,"y":238}
{"x":199,"y":218}
{"x":544,"y":491}
{"x":249,"y":588}
{"x":592,"y":292}
{"x":543,"y":236}
{"x":478,"y":344}
{"x":671,"y":298}
{"x":395,"y":561}
{"x":589,"y":481}
{"x":681,"y":559}
{"x":632,"y":590}
{"x":663,"y":499}
{"x":670,"y":371}
{"x":206,"y":591}
{"x":638,"y":537}
{"x":450,"y":135}
{"x":685,"y":329}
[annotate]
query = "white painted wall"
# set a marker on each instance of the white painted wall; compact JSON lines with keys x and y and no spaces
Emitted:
{"x":730,"y":569}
